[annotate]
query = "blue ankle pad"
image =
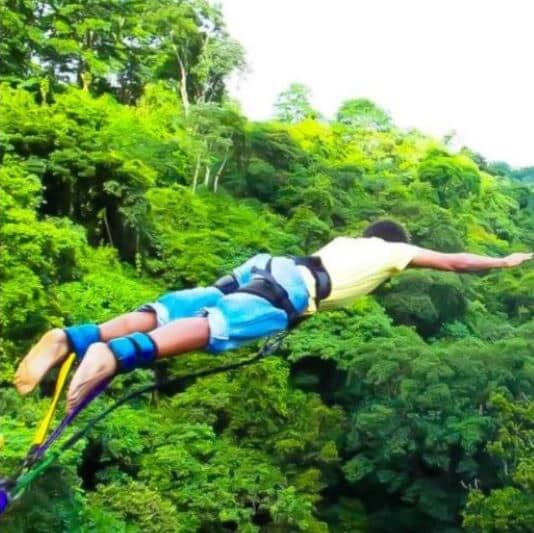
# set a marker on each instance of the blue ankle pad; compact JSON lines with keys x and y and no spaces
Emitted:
{"x":81,"y":337}
{"x":133,"y":351}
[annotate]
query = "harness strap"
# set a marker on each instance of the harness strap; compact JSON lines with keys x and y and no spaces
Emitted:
{"x":268,"y":288}
{"x":227,"y":284}
{"x":323,"y":284}
{"x":40,"y":435}
{"x":34,"y":453}
{"x":12,"y":487}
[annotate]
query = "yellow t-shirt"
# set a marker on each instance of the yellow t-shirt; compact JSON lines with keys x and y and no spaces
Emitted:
{"x":358,"y":267}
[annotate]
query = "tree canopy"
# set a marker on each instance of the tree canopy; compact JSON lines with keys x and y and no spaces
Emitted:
{"x":127,"y":171}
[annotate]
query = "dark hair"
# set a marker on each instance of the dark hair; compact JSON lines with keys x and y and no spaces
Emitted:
{"x":389,"y":230}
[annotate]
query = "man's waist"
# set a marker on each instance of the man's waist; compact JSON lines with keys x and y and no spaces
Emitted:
{"x":321,"y":286}
{"x":314,"y":276}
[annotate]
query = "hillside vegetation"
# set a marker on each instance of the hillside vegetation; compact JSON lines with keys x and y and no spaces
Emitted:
{"x":126,"y":172}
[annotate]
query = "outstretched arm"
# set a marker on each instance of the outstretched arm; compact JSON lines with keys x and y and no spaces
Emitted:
{"x":465,"y":262}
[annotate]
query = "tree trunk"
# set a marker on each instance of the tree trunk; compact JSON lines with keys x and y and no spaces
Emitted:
{"x":219,"y":172}
{"x":108,"y":229}
{"x":197,"y":170}
{"x":183,"y":83}
{"x":207,"y":176}
{"x":205,"y":83}
{"x":86,"y":81}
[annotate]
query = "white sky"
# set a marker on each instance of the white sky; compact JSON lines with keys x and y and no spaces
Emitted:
{"x":437,"y":65}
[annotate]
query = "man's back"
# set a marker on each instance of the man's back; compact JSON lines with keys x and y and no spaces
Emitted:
{"x":358,"y":265}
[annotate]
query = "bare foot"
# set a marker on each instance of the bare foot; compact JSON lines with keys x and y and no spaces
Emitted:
{"x":51,"y":349}
{"x":98,"y":364}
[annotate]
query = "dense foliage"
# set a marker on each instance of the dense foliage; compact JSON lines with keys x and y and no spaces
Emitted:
{"x":126,"y":172}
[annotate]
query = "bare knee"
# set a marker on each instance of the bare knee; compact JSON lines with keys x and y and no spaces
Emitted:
{"x":181,"y":336}
{"x":141,"y":321}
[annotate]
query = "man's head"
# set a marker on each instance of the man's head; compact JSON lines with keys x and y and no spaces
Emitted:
{"x":389,"y":230}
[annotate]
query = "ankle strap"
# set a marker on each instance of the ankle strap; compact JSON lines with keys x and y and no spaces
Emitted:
{"x":133,"y":351}
{"x":81,"y":337}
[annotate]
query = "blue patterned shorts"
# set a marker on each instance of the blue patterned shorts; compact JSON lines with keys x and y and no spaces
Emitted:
{"x":236,"y":318}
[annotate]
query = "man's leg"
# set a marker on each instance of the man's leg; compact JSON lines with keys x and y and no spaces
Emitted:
{"x":236,"y":319}
{"x":53,"y":347}
{"x":99,"y":363}
{"x":130,"y":323}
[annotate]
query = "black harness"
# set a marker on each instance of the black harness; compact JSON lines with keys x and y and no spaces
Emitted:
{"x":323,"y":286}
{"x":266,"y":286}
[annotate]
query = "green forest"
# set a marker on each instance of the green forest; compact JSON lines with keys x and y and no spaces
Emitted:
{"x":128,"y":171}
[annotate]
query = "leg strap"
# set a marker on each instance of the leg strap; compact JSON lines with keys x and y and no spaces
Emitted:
{"x":81,"y":337}
{"x":133,"y":351}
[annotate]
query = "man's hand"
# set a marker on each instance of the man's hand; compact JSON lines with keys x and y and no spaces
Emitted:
{"x":516,"y":259}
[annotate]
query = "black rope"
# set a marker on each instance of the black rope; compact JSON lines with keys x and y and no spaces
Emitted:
{"x":7,"y":485}
{"x":269,"y":347}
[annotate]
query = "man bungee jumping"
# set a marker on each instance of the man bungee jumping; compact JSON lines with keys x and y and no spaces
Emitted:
{"x":265,"y":295}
